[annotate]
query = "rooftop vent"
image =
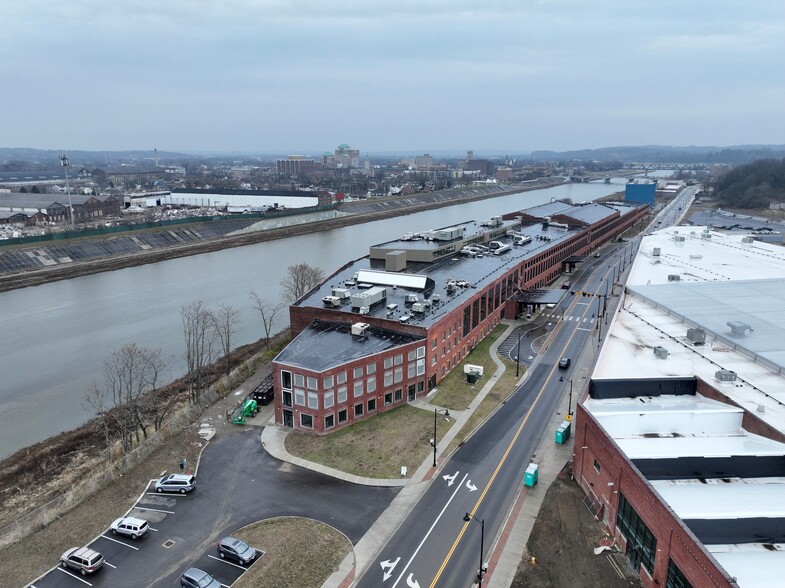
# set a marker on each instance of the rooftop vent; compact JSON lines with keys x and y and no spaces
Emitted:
{"x":678,"y":238}
{"x":705,"y":235}
{"x":696,"y":336}
{"x":725,"y":375}
{"x":660,"y":352}
{"x":360,"y":329}
{"x":674,"y":278}
{"x":411,"y":298}
{"x":738,"y":329}
{"x":655,"y":252}
{"x":747,"y":240}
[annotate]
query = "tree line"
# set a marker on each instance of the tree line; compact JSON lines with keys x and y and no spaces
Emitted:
{"x":131,"y":402}
{"x":753,"y":185}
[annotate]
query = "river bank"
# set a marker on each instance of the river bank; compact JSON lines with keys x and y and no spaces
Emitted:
{"x":353,"y":213}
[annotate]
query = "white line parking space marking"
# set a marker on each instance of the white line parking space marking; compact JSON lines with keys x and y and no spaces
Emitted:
{"x":227,"y":562}
{"x":120,"y":542}
{"x":155,"y":509}
{"x":156,"y":530}
{"x":110,"y":565}
{"x":582,"y":329}
{"x":73,"y":576}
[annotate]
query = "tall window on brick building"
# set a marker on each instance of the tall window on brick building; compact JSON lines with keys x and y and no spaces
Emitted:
{"x":675,"y":578}
{"x":641,"y":542}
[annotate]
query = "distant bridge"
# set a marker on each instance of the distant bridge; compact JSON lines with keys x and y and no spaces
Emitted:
{"x":647,"y":167}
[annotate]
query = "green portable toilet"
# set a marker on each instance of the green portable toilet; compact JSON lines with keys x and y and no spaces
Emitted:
{"x":531,"y":475}
{"x":567,"y":426}
{"x":560,"y":436}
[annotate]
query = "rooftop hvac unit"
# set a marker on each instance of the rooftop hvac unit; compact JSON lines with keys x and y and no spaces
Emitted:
{"x":674,"y":278}
{"x":360,"y":329}
{"x":660,"y":352}
{"x":436,"y":299}
{"x":678,"y":238}
{"x":747,"y":240}
{"x":411,"y":298}
{"x":365,"y":309}
{"x":696,"y":336}
{"x":655,"y":252}
{"x":725,"y":375}
{"x":331,"y":301}
{"x":450,"y":287}
{"x":341,"y":293}
{"x":418,"y":307}
{"x":404,"y":318}
{"x":705,"y":235}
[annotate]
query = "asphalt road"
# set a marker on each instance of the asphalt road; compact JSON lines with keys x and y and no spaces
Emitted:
{"x":238,"y":484}
{"x":434,"y":546}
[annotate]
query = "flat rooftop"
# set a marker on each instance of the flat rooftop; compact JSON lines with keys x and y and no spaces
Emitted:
{"x":307,"y":350}
{"x":733,"y":289}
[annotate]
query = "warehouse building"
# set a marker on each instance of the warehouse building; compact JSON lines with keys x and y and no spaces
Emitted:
{"x":386,"y":328}
{"x":680,"y":437}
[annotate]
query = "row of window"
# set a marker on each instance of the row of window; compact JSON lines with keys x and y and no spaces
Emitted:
{"x":641,"y":542}
{"x":359,"y":409}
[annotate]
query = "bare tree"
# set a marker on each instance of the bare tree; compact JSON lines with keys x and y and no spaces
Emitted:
{"x":300,"y":279}
{"x":225,"y":324}
{"x":130,"y":378}
{"x":267,"y":313}
{"x":200,"y":344}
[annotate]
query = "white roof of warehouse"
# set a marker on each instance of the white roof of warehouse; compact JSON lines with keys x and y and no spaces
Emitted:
{"x":751,"y":565}
{"x":738,"y":444}
{"x":717,"y":499}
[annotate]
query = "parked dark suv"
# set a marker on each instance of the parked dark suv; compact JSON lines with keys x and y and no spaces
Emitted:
{"x":237,"y":550}
{"x":84,"y":559}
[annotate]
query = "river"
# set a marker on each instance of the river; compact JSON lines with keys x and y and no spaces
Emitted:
{"x":55,"y":337}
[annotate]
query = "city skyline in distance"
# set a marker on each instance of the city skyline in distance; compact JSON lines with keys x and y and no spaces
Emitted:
{"x":294,"y":77}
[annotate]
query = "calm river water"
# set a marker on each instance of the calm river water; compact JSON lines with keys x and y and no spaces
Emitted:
{"x":54,"y":337}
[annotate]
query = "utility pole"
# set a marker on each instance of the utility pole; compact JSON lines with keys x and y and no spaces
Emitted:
{"x":65,"y":163}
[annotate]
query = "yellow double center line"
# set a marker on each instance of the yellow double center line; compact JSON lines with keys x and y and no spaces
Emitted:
{"x":481,"y":497}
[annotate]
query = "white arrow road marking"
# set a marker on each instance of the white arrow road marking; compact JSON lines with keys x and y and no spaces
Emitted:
{"x":411,"y":582}
{"x":470,"y":486}
{"x":388,"y":567}
{"x":451,"y":479}
{"x":424,"y":539}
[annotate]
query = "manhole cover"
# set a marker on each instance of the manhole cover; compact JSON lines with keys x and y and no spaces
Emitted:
{"x":167,"y":544}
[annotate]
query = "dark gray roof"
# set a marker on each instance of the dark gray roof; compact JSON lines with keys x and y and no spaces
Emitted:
{"x":309,"y":349}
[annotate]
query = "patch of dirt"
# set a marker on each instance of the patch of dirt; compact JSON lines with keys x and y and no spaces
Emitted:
{"x":560,"y":551}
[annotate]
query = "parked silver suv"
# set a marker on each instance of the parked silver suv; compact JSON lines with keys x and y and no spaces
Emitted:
{"x":130,"y":526}
{"x":181,"y":483}
{"x":84,"y":559}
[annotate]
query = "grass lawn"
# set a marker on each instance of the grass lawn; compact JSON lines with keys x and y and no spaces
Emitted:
{"x":319,"y":551}
{"x":376,"y":447}
{"x":453,"y":392}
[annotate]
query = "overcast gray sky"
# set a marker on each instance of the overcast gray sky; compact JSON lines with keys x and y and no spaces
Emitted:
{"x":302,"y":76}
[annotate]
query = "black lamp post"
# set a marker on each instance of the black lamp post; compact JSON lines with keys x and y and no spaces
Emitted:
{"x":569,"y":400}
{"x":518,"y":354}
{"x":468,"y":517}
{"x":433,"y":441}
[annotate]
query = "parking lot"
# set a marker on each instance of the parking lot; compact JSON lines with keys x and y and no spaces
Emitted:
{"x":238,"y":484}
{"x":123,"y":555}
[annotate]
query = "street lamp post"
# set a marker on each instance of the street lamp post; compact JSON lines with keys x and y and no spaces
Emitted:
{"x":433,"y":441}
{"x":468,"y":517}
{"x":569,"y":400}
{"x":518,"y":354}
{"x":65,"y":163}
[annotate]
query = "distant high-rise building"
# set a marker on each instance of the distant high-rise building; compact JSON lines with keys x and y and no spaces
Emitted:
{"x":423,"y":162}
{"x":347,"y":157}
{"x":294,"y":165}
{"x":469,"y":155}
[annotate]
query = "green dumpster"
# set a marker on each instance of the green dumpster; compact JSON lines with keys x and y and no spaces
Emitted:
{"x":531,"y":475}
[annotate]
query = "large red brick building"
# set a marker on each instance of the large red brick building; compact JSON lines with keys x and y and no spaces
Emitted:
{"x":384,"y":329}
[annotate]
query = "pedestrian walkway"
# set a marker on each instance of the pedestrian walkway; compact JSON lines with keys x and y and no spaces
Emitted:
{"x":505,"y":558}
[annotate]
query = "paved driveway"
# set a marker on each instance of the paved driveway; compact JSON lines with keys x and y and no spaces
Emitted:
{"x":238,"y":484}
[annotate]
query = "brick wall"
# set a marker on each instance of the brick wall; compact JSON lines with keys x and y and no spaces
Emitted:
{"x":674,"y":539}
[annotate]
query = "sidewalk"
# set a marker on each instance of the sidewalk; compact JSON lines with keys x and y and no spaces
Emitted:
{"x":515,"y":533}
